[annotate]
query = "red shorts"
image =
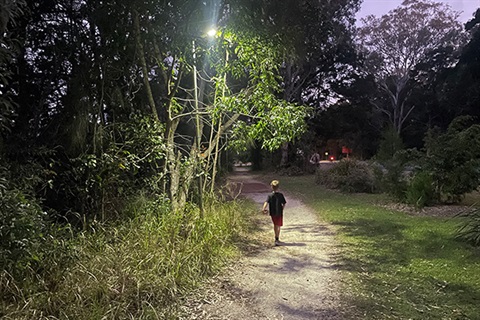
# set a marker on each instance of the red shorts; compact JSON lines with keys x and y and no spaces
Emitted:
{"x":277,"y":220}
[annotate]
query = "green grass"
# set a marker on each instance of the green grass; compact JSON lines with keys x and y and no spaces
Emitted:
{"x":137,"y":268}
{"x":398,"y":266}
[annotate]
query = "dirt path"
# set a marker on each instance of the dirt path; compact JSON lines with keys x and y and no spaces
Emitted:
{"x":297,"y":280}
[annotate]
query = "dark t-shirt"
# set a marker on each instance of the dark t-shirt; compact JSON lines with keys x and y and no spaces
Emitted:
{"x":276,"y":200}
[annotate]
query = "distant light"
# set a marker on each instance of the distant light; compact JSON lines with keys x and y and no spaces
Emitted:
{"x":212,"y":32}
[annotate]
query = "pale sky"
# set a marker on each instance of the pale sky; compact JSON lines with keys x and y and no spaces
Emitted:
{"x":380,"y":7}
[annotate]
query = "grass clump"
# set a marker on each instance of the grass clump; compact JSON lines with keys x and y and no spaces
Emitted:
{"x":135,"y":269}
{"x":398,"y":266}
{"x":469,"y":229}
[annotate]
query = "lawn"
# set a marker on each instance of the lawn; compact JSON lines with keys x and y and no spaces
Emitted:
{"x":397,"y":266}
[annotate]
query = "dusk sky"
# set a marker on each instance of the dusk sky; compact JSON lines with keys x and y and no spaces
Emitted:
{"x":380,"y":7}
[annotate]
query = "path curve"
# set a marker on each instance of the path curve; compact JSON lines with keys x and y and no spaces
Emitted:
{"x":297,"y":280}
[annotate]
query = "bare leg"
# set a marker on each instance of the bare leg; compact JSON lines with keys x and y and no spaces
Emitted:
{"x":277,"y":231}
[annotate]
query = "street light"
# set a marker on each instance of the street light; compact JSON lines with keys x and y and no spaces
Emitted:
{"x":212,"y":32}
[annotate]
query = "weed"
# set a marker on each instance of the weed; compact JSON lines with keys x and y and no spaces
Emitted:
{"x":135,"y":269}
{"x":469,"y":229}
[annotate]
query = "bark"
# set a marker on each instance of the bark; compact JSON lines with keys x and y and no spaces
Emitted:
{"x":397,"y":96}
{"x":284,"y":150}
{"x":143,"y":63}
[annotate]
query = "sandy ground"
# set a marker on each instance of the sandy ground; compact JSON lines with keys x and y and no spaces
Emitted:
{"x":297,"y":280}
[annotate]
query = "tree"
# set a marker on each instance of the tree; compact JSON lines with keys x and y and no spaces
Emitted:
{"x":10,"y":11}
{"x":396,"y":42}
{"x":318,"y":40}
{"x":322,"y":56}
{"x":251,"y":111}
{"x":96,"y":84}
{"x":453,"y":158}
{"x":458,"y":92}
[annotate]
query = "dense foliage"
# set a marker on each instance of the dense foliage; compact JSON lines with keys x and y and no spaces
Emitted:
{"x":453,"y":159}
{"x":103,"y":103}
{"x":108,"y":98}
{"x":396,"y":42}
{"x":138,"y":269}
{"x":349,"y":175}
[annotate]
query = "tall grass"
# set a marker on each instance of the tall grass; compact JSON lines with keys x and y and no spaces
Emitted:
{"x":397,"y":266}
{"x":138,"y":269}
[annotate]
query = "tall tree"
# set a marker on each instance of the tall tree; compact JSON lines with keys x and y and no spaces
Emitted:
{"x":89,"y":70}
{"x":459,"y":92}
{"x":10,"y":12}
{"x":318,"y":38}
{"x":396,"y":42}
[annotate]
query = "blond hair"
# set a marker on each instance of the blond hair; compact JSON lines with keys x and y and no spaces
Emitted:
{"x":275,"y":184}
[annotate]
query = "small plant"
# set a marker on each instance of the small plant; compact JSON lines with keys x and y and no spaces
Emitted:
{"x":393,"y":175}
{"x":421,"y":190}
{"x":22,"y":224}
{"x":469,"y":229}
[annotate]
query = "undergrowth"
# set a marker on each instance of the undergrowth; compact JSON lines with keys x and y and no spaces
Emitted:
{"x":136,"y":269}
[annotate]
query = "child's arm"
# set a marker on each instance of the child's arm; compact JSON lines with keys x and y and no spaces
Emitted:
{"x":265,"y":211}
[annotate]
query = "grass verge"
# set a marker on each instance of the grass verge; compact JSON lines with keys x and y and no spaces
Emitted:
{"x":397,"y":266}
{"x":138,"y":268}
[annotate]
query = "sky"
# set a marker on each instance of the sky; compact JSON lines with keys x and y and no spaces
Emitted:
{"x":380,"y":7}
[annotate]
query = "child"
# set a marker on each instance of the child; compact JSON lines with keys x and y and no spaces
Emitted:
{"x":276,"y":202}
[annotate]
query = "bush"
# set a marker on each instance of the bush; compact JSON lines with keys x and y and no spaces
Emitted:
{"x":390,"y":144}
{"x":469,"y":229}
{"x":393,"y":176}
{"x":91,"y":186}
{"x":453,"y":158}
{"x":290,"y":171}
{"x":21,"y":228}
{"x":421,"y":190}
{"x":348,"y":175}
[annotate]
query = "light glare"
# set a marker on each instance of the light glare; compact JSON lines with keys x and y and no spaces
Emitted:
{"x":212,"y":32}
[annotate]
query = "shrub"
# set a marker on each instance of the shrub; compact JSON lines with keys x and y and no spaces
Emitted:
{"x":94,"y":186}
{"x":388,"y":178}
{"x":392,"y":176}
{"x":290,"y":171}
{"x":348,"y":175}
{"x":469,"y":229}
{"x":21,"y":228}
{"x":390,"y":144}
{"x":421,"y":190}
{"x":453,"y":158}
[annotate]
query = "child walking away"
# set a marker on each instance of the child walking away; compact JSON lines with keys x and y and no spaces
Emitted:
{"x":275,"y":202}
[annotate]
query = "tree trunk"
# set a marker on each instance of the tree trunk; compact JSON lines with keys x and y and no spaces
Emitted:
{"x":284,"y":150}
{"x":143,"y":63}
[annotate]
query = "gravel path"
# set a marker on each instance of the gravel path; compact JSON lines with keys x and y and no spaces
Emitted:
{"x":297,"y":280}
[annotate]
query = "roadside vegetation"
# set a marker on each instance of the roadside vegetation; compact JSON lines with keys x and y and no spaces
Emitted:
{"x":398,"y":266}
{"x":138,"y":268}
{"x":118,"y":120}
